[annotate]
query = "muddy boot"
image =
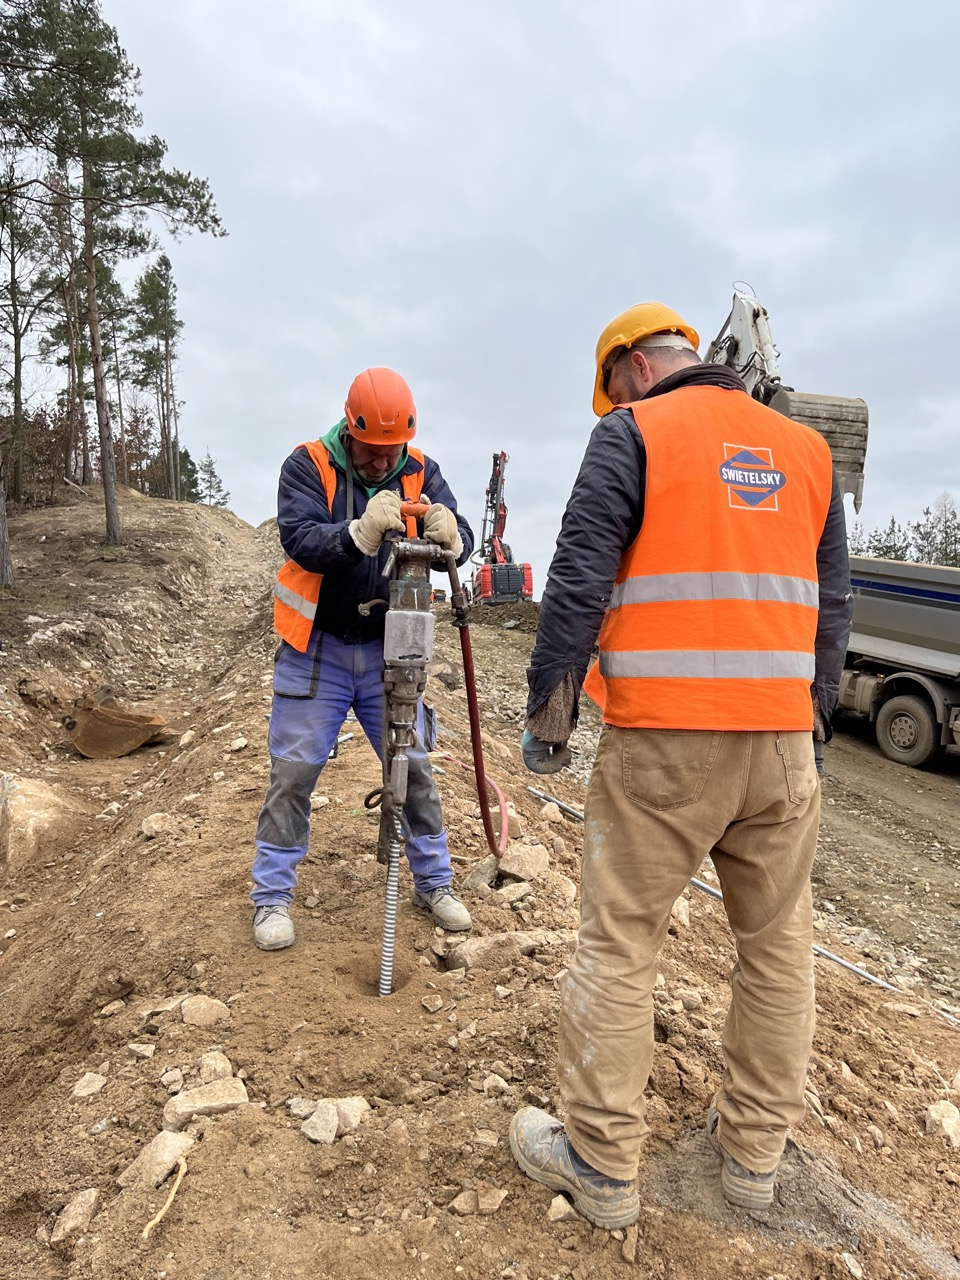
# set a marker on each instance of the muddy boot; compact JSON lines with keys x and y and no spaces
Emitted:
{"x":741,"y":1186}
{"x":543,"y":1151}
{"x":448,"y":911}
{"x":272,"y":928}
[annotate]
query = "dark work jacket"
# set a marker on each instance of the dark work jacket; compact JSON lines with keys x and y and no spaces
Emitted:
{"x":604,"y":516}
{"x":318,"y":540}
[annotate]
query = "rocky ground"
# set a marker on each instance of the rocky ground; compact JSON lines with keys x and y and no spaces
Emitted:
{"x":303,"y":1125}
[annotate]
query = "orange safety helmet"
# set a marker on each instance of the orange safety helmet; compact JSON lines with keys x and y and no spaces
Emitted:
{"x":380,"y":408}
{"x":639,"y":322}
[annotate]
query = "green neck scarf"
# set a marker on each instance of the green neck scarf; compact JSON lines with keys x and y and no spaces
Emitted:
{"x":334,"y":446}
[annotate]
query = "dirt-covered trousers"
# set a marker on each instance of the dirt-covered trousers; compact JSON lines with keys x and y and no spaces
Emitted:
{"x":312,"y":693}
{"x":658,"y":802}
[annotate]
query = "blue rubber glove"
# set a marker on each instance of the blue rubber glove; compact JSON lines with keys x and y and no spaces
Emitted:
{"x":544,"y":757}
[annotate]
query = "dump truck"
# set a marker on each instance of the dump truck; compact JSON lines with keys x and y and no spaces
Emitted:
{"x":902,"y":669}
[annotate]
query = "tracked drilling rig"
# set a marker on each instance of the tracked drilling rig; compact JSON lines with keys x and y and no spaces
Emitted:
{"x":497,"y":579}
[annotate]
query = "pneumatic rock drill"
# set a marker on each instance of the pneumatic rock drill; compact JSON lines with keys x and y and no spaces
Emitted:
{"x":407,"y":653}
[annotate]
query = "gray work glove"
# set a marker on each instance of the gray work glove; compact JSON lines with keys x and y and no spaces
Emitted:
{"x":382,"y":515}
{"x":543,"y":757}
{"x":440,"y":526}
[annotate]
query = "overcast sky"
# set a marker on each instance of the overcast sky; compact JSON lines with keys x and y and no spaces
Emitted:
{"x":469,"y":193}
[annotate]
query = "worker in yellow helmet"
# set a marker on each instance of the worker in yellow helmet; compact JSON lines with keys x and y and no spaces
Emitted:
{"x":704,"y":550}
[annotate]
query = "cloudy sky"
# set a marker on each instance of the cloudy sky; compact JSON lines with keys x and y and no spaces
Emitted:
{"x":469,"y":192}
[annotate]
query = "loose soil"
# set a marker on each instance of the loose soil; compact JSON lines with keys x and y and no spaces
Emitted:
{"x":103,"y":929}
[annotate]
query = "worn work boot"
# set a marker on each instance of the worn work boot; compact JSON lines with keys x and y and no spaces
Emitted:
{"x":543,"y":1151}
{"x":740,"y":1186}
{"x":272,"y":928}
{"x":448,"y":911}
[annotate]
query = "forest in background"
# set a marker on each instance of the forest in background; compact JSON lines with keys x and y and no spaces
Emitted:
{"x":935,"y":539}
{"x":88,"y":392}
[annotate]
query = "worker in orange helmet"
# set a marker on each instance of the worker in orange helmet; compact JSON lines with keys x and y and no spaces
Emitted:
{"x":703,"y":550}
{"x":339,"y":497}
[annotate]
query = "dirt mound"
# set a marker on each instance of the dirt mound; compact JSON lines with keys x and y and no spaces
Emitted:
{"x":511,"y":617}
{"x":132,"y":1002}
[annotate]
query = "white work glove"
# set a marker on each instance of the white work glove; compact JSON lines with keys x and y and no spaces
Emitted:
{"x":440,"y":526}
{"x":382,"y":515}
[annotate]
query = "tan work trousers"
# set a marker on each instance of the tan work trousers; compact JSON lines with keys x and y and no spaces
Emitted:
{"x":657,"y":803}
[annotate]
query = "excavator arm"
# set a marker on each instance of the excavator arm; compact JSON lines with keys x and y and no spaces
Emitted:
{"x":746,"y":345}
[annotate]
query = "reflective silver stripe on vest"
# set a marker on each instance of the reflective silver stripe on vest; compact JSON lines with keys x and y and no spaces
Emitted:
{"x":707,"y":664}
{"x":661,"y":587}
{"x":290,"y":598}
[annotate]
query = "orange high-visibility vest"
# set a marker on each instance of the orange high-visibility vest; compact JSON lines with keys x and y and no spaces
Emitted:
{"x":296,"y":591}
{"x":713,"y":616}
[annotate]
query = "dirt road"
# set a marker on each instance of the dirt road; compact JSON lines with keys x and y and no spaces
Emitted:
{"x":106,"y":931}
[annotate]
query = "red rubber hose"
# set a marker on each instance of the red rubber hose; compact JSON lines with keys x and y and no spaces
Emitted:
{"x":458,"y":600}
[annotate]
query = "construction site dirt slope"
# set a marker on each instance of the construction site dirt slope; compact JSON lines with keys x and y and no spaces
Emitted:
{"x":139,"y":1024}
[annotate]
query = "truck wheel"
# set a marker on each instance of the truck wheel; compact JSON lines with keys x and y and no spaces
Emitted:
{"x":907,"y":731}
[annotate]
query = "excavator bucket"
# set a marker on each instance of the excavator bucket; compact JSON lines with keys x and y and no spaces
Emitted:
{"x":102,"y":729}
{"x":843,"y":424}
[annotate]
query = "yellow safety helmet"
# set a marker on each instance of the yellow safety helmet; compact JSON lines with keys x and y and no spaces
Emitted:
{"x":641,"y":321}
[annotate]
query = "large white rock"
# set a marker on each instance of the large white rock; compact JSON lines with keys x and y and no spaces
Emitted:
{"x":484,"y":873}
{"x":28,"y":812}
{"x":89,"y":1084}
{"x":499,"y":950}
{"x":204,"y":1011}
{"x":75,"y":1216}
{"x":323,"y":1124}
{"x":156,"y":1160}
{"x":514,"y":891}
{"x":301,"y":1108}
{"x":206,"y":1100}
{"x":467,"y":1203}
{"x":158,"y":824}
{"x":943,"y":1118}
{"x":215,"y":1066}
{"x":172,"y":1080}
{"x":524,"y":862}
{"x":350,"y":1113}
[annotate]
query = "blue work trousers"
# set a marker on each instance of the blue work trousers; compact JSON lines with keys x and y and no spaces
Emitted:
{"x":312,"y":693}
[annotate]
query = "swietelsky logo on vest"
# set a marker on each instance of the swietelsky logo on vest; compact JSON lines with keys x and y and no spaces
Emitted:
{"x":752,"y":480}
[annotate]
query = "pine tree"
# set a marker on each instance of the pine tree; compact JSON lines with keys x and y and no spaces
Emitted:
{"x":158,"y":483}
{"x":892,"y":543}
{"x":857,"y":539}
{"x":26,"y":295}
{"x":936,"y":538}
{"x":68,"y":97}
{"x":211,"y":487}
{"x":154,"y":335}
